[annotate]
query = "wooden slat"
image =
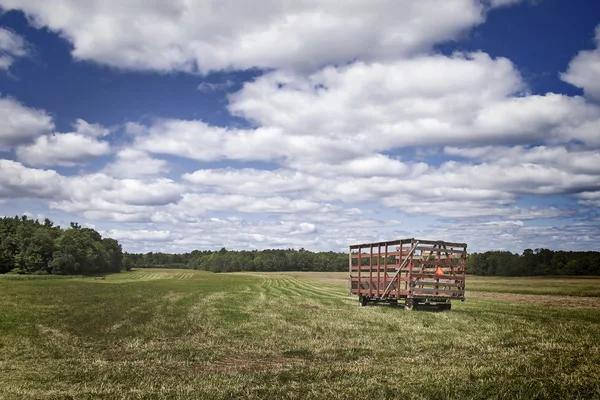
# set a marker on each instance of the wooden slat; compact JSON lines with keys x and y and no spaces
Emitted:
{"x":441,"y":261}
{"x":447,"y":244}
{"x":386,"y":280}
{"x":408,"y":241}
{"x":392,"y":268}
{"x":366,"y":245}
{"x":454,"y":255}
{"x":366,"y":255}
{"x":434,"y":276}
{"x":431,"y":291}
{"x":444,"y":284}
{"x":436,"y":250}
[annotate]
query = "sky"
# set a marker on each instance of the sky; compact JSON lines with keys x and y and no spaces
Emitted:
{"x":202,"y":124}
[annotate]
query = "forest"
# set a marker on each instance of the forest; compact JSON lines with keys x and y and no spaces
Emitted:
{"x":538,"y":262}
{"x":256,"y":260}
{"x":28,"y":246}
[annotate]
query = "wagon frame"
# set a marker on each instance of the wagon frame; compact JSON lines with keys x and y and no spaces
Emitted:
{"x":422,"y":273}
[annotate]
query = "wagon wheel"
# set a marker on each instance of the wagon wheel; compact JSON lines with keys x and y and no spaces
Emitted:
{"x":362,"y":300}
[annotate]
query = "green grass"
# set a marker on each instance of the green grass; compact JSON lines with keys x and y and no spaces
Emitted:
{"x":184,"y":334}
{"x":560,"y":285}
{"x":10,"y":277}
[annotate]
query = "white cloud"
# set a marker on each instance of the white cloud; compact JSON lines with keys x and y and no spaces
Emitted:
{"x":21,"y":124}
{"x":254,"y":182}
{"x":504,"y":3}
{"x":574,"y":161}
{"x":99,"y":192}
{"x":200,"y":141}
{"x":131,"y":163}
{"x":591,"y":198}
{"x":124,"y":199}
{"x":84,"y":128}
{"x":163,"y":211}
{"x":198,"y":204}
{"x":207,"y":87}
{"x":343,"y":116}
{"x":453,"y":189}
{"x":237,"y":34}
{"x":66,"y":149}
{"x":139,"y":235}
{"x":11,"y":46}
{"x":428,"y":100}
{"x":39,"y":217}
{"x":584,"y":70}
{"x":18,"y":182}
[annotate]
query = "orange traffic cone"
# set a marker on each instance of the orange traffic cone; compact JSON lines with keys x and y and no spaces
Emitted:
{"x":439,"y":271}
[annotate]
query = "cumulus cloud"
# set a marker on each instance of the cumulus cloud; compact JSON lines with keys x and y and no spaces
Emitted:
{"x":99,"y":192}
{"x":574,"y":161}
{"x":454,"y":189}
{"x":198,"y":204}
{"x":584,"y":70}
{"x":131,"y":163}
{"x":428,"y":100}
{"x":236,"y":34}
{"x":84,"y":128}
{"x":21,"y":124}
{"x":254,"y":182}
{"x":12,"y":46}
{"x":20,"y":182}
{"x":590,"y":198}
{"x":66,"y":149}
{"x":309,"y":210}
{"x":343,"y":116}
{"x":89,"y":194}
{"x":200,"y":141}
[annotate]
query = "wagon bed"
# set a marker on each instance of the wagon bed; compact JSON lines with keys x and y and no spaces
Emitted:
{"x":421,"y":273}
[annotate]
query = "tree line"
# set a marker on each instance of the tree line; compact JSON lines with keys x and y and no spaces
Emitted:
{"x":28,"y":246}
{"x":538,"y":262}
{"x":256,"y":260}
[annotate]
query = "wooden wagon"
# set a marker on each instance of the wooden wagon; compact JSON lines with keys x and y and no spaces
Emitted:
{"x":421,"y":273}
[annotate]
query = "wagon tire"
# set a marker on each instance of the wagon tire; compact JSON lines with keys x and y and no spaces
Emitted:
{"x":362,"y":301}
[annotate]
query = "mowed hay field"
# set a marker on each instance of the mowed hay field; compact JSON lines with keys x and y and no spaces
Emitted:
{"x":168,"y":334}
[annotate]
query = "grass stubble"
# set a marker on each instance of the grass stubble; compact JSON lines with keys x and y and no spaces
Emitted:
{"x":164,"y":334}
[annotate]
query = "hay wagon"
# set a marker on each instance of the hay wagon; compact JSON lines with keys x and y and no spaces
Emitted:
{"x":424,"y":274}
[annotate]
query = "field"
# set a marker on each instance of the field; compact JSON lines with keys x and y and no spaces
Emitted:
{"x":168,"y":334}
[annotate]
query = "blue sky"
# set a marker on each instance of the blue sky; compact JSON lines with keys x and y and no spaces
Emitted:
{"x":175,"y":126}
